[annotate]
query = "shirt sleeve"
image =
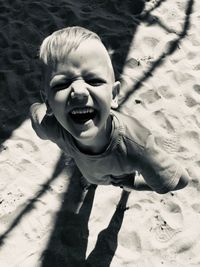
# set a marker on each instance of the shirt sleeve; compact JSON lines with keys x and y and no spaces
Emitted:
{"x":49,"y":128}
{"x":45,"y":126}
{"x":161,"y":171}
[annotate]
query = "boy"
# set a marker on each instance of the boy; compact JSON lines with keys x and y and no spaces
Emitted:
{"x":81,"y":95}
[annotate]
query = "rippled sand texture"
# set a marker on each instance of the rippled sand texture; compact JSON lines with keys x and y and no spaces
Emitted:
{"x":155,"y":47}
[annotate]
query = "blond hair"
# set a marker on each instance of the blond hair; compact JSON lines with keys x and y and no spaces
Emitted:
{"x":60,"y":43}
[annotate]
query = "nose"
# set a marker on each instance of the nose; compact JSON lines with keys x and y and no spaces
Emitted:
{"x":79,"y":89}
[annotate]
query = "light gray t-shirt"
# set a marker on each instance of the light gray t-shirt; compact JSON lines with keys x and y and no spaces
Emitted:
{"x":132,"y":148}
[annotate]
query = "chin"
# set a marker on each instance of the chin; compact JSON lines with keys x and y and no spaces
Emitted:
{"x":88,"y":135}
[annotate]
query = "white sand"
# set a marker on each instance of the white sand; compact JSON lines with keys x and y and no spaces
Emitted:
{"x":38,"y":198}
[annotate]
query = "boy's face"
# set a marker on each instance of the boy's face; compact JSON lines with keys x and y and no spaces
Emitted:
{"x":81,"y":91}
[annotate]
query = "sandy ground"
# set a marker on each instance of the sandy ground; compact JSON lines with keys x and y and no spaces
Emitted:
{"x":156,"y":55}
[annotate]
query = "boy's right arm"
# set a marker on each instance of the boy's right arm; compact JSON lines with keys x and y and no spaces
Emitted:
{"x":37,"y":114}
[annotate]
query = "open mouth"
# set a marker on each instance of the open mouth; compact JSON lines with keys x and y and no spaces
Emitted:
{"x":82,"y":115}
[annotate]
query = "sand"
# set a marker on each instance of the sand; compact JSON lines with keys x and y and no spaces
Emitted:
{"x":155,"y":47}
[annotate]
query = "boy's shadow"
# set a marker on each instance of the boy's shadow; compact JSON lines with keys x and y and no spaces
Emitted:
{"x":68,"y":243}
{"x":107,"y":241}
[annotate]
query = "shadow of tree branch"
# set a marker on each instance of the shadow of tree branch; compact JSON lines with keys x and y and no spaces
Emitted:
{"x":173,"y":45}
{"x":30,"y":206}
{"x":146,"y":16}
{"x":68,"y":242}
{"x":155,"y":20}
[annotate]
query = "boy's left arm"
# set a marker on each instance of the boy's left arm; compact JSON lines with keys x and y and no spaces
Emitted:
{"x":183,"y":181}
{"x":141,"y":185}
{"x":161,"y":172}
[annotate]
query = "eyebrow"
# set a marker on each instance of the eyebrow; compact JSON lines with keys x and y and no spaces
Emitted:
{"x":92,"y":74}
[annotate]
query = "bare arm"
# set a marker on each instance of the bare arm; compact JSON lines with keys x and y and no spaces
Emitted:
{"x":141,"y":185}
{"x":160,"y":170}
{"x":184,"y":180}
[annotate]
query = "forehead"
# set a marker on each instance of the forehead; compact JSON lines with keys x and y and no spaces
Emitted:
{"x":90,"y":55}
{"x":91,"y":49}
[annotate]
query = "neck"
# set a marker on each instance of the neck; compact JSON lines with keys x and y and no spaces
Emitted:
{"x":100,"y":142}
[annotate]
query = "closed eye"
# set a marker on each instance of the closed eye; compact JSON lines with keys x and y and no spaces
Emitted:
{"x":95,"y":82}
{"x":61,"y":86}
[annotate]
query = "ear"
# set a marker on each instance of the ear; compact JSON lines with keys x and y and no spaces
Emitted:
{"x":115,"y":92}
{"x":49,"y":111}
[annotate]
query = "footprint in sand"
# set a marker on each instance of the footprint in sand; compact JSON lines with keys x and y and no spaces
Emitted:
{"x":26,"y":144}
{"x":190,"y":101}
{"x":151,"y":41}
{"x":132,"y":63}
{"x":174,"y":213}
{"x":191,"y":140}
{"x":166,"y":92}
{"x":196,"y":88}
{"x":164,"y":233}
{"x":131,"y":241}
{"x":168,"y":223}
{"x":196,"y":207}
{"x":163,"y":120}
{"x":183,"y":77}
{"x":149,"y":97}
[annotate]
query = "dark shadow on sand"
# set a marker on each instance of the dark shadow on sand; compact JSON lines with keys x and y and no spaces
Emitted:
{"x":68,"y":243}
{"x":107,"y":240}
{"x":60,"y":166}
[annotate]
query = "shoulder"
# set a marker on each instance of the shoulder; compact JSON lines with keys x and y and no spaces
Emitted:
{"x":45,"y":126}
{"x":133,"y":129}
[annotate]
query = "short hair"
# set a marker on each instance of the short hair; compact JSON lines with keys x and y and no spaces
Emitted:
{"x":60,"y":43}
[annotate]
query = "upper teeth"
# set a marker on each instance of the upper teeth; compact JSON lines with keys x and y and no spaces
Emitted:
{"x":82,"y":110}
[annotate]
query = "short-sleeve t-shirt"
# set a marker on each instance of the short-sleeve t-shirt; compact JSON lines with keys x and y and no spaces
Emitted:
{"x":132,"y":148}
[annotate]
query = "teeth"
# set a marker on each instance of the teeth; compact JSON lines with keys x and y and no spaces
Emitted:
{"x":82,"y":111}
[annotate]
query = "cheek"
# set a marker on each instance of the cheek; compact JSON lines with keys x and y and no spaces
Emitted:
{"x":105,"y":95}
{"x":56,"y":105}
{"x":106,"y":100}
{"x":58,"y":98}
